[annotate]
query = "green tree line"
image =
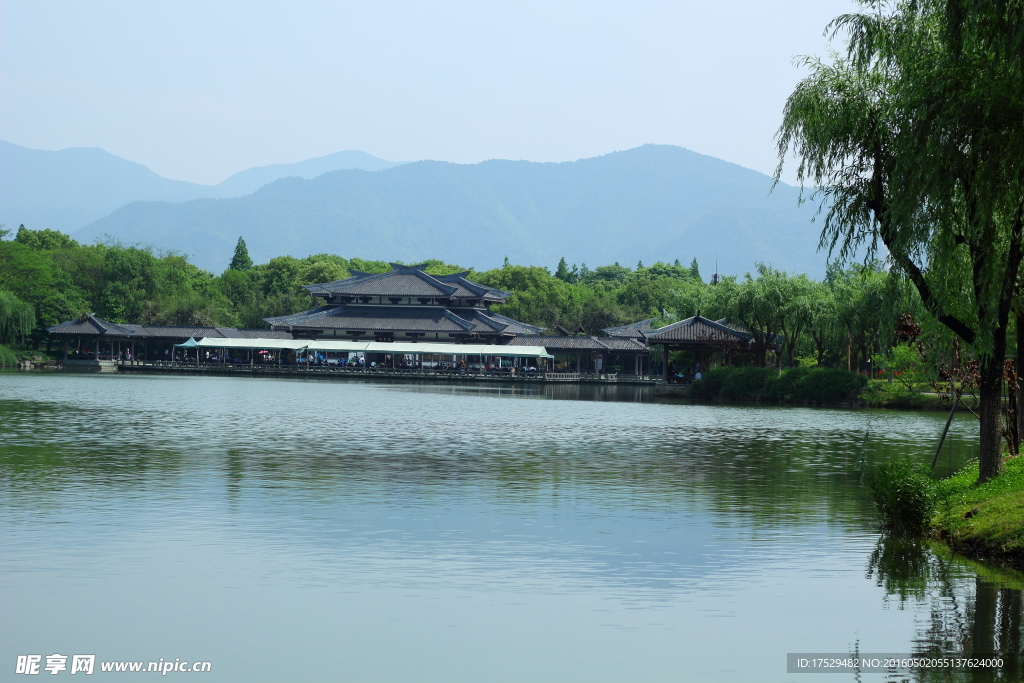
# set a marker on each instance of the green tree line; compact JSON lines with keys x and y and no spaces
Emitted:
{"x":841,"y":321}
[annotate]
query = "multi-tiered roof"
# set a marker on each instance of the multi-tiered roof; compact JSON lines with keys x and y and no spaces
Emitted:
{"x":405,"y":304}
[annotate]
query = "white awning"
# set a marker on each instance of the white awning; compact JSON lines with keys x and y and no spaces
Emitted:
{"x":331,"y":345}
{"x":217,"y":343}
{"x":486,"y":350}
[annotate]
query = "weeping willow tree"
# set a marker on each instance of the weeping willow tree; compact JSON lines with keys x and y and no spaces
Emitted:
{"x":16,"y":319}
{"x":913,"y":138}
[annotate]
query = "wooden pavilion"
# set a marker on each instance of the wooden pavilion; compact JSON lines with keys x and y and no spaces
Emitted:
{"x":700,"y":335}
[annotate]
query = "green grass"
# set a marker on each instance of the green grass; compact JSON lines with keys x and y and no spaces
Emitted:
{"x":984,"y":521}
{"x":880,"y":393}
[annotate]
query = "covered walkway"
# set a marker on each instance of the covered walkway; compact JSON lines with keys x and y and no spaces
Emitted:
{"x":352,"y":356}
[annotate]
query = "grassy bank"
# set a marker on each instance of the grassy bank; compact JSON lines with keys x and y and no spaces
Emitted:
{"x":987,"y":521}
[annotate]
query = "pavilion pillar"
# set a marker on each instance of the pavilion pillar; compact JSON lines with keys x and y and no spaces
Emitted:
{"x":579,"y":357}
{"x":65,"y":348}
{"x":664,"y":363}
{"x":97,"y":348}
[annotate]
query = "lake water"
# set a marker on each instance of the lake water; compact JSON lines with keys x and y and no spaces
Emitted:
{"x":345,"y":531}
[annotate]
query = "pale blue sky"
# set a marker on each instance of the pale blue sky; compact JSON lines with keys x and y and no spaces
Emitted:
{"x":200,"y":90}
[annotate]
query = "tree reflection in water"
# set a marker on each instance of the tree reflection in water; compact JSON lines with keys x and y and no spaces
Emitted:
{"x":973,"y":610}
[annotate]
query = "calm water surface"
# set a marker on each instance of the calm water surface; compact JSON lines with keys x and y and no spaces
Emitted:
{"x":341,"y":531}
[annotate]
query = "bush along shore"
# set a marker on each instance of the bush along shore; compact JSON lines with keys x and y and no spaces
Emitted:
{"x":980,"y":521}
{"x":814,"y":386}
{"x":797,"y":385}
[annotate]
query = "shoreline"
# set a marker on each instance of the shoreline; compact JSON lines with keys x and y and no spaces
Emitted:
{"x":983,"y":522}
{"x":931,"y":404}
{"x":661,"y":392}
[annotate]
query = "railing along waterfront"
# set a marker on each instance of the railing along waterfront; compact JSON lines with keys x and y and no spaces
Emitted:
{"x":362,"y":371}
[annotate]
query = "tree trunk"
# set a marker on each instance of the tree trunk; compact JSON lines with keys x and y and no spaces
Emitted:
{"x":760,"y":353}
{"x":1019,"y":367}
{"x":1011,"y":408}
{"x":849,"y":348}
{"x":990,"y":394}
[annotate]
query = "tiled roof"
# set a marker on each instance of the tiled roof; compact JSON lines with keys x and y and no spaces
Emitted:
{"x":402,"y":318}
{"x":468,"y":288}
{"x":697,"y":329}
{"x":484,"y":322}
{"x":490,"y":321}
{"x":91,"y":325}
{"x":407,"y":281}
{"x":514,"y":325}
{"x":262,"y":334}
{"x":634,"y":330}
{"x":579,"y":343}
{"x":186,"y":331}
{"x":381,"y":318}
{"x":623,"y":343}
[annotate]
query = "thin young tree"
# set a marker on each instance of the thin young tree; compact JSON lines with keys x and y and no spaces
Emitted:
{"x":915,"y":141}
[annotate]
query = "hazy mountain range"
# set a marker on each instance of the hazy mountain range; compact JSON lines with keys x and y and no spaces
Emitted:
{"x":70,"y":188}
{"x":655,"y":202}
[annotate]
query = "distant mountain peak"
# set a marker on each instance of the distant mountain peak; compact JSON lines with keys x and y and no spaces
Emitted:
{"x":248,"y":181}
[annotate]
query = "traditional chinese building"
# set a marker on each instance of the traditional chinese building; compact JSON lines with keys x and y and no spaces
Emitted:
{"x":706,"y":337}
{"x":405,"y":305}
{"x":96,"y":339}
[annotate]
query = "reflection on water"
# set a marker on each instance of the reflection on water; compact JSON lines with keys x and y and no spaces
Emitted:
{"x":968,"y":609}
{"x":300,"y":530}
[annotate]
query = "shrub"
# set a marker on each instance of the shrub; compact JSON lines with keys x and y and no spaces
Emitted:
{"x":7,"y":357}
{"x":710,"y":385}
{"x":905,"y":496}
{"x":827,"y":385}
{"x":746,"y":384}
{"x":786,"y":387}
{"x":904,"y":365}
{"x":891,"y":394}
{"x":816,"y":385}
